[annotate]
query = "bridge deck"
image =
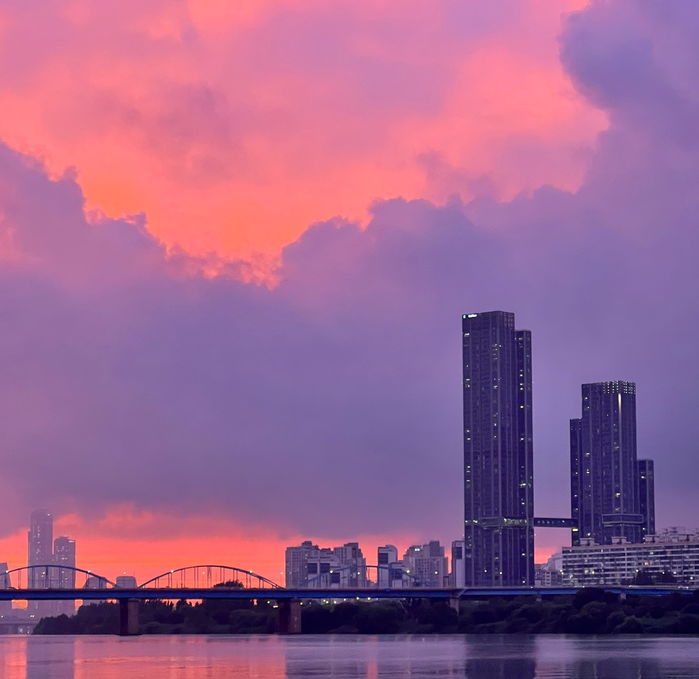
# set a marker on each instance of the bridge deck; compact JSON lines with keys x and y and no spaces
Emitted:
{"x":282,"y":593}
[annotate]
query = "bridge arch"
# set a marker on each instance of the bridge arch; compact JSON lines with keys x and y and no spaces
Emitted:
{"x":44,"y":576}
{"x":209,"y":575}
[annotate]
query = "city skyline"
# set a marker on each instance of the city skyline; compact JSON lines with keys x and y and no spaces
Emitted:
{"x":231,"y":274}
{"x":496,"y":365}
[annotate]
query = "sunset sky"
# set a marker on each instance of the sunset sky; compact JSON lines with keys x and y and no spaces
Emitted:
{"x":237,"y":238}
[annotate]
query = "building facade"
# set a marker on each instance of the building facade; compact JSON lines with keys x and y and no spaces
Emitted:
{"x":311,"y":566}
{"x":605,"y":473}
{"x":386,"y":557}
{"x":63,"y":578}
{"x":498,"y":451}
{"x":669,"y":556}
{"x":457,"y":577}
{"x":126,"y":582}
{"x":646,"y":493}
{"x":426,"y":565}
{"x":39,"y":548}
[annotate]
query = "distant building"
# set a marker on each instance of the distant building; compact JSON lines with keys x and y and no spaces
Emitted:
{"x":60,"y":577}
{"x":671,"y":555}
{"x":63,"y":555}
{"x":549,"y":574}
{"x":126,"y":582}
{"x":352,"y":565}
{"x":498,"y":453}
{"x":39,"y":548}
{"x":54,"y":561}
{"x":296,"y":564}
{"x":646,"y":492}
{"x":311,"y":566}
{"x":458,"y":573}
{"x":426,"y":564}
{"x":94,"y":582}
{"x":605,"y":473}
{"x":5,"y":606}
{"x":386,"y":556}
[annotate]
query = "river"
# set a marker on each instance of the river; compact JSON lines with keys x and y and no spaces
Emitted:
{"x":348,"y":657}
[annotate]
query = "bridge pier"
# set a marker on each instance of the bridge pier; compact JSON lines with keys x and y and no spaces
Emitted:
{"x":128,"y":617}
{"x":289,"y":612}
{"x":454,"y":603}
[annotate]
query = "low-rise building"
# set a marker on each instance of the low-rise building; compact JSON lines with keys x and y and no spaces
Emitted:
{"x":314,"y":567}
{"x":427,"y":565}
{"x":670,"y":556}
{"x":549,"y":574}
{"x":386,"y":555}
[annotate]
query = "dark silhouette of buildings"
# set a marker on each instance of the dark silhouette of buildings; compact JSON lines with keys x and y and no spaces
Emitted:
{"x":498,"y":455}
{"x":605,"y":474}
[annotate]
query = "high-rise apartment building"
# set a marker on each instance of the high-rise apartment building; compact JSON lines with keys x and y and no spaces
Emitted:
{"x":498,"y":451}
{"x":40,"y":548}
{"x":605,"y":474}
{"x":63,"y":555}
{"x":352,"y":565}
{"x":646,"y":494}
{"x":61,"y":577}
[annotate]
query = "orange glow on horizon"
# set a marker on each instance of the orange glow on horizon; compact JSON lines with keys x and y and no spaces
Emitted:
{"x":113,"y":546}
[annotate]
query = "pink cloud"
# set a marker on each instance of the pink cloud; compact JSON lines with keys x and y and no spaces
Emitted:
{"x":234,"y":125}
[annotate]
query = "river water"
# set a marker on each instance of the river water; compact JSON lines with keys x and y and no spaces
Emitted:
{"x":348,"y":657}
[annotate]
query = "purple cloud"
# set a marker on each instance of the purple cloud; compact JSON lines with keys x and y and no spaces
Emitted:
{"x":331,"y":403}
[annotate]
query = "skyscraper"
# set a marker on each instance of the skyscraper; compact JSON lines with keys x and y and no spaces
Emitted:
{"x":64,"y":555}
{"x":498,"y":452}
{"x":63,"y":578}
{"x":40,"y":547}
{"x":646,"y":494}
{"x":605,"y":497}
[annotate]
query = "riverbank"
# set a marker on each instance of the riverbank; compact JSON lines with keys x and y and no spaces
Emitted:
{"x":591,"y":611}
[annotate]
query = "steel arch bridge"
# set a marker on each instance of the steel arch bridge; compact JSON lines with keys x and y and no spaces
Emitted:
{"x":346,"y":576}
{"x":45,"y":576}
{"x":209,"y":576}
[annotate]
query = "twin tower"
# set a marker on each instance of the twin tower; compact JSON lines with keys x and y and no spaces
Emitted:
{"x":611,"y":491}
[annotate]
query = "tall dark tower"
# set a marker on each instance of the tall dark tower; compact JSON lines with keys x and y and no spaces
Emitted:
{"x":605,"y":498}
{"x":498,"y":455}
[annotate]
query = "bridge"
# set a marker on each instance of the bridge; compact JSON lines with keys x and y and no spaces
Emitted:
{"x":221,"y":582}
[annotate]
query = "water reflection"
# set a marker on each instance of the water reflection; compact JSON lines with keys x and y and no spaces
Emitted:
{"x":349,"y":657}
{"x":50,"y":658}
{"x":500,"y":657}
